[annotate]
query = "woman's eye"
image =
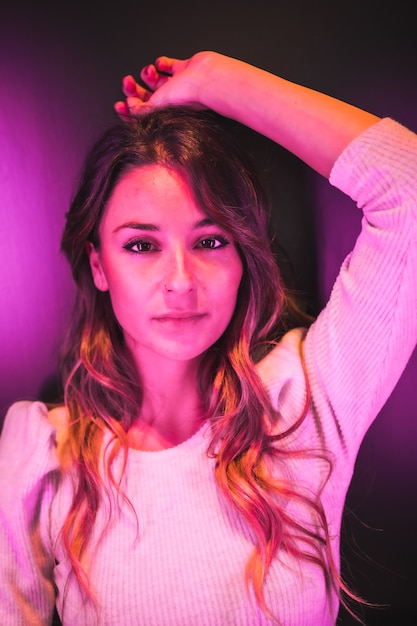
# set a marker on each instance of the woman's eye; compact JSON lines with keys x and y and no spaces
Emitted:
{"x":213,"y":242}
{"x":139,"y":246}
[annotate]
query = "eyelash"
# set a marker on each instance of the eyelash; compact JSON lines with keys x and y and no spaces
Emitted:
{"x":138,"y":242}
{"x":216,"y":238}
{"x":129,"y":245}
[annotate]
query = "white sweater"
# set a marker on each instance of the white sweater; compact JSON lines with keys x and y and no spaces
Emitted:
{"x":185,"y":566}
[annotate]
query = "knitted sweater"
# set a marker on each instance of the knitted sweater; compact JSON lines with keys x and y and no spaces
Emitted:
{"x":184,"y":563}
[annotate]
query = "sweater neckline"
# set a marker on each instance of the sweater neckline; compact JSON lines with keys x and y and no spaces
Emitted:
{"x":200,"y":439}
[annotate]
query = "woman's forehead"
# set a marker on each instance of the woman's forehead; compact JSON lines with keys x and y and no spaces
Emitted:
{"x":153,"y":193}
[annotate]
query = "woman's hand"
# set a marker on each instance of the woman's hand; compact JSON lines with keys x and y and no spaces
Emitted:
{"x":167,"y":81}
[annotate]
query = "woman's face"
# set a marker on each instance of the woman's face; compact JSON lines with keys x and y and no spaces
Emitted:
{"x":172,"y":274}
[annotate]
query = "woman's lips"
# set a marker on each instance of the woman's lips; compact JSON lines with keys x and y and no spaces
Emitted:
{"x":179,"y":318}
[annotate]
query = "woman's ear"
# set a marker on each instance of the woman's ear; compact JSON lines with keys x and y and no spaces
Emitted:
{"x":97,"y":272}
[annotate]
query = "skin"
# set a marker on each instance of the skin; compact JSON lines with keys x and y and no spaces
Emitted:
{"x":173,"y":278}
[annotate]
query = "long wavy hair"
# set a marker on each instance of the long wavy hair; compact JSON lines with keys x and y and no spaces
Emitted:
{"x":102,"y":388}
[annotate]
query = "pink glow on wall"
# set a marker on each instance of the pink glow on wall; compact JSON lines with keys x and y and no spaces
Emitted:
{"x":36,"y":176}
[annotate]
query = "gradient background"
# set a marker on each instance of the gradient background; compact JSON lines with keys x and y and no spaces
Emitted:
{"x":60,"y":72}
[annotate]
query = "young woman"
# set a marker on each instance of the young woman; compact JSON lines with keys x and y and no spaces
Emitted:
{"x":197,"y":469}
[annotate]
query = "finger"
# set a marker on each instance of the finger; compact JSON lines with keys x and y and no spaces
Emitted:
{"x":136,"y":106}
{"x":122,"y":111}
{"x":129,"y":85}
{"x":132,"y":89}
{"x":152,"y":78}
{"x":166,"y":64}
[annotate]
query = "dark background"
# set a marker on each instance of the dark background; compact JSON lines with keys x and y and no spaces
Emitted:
{"x":60,"y":72}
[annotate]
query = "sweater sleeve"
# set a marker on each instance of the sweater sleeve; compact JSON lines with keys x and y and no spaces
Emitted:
{"x":358,"y":347}
{"x":28,"y":477}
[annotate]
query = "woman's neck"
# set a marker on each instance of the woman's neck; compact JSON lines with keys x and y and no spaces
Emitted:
{"x":172,"y":408}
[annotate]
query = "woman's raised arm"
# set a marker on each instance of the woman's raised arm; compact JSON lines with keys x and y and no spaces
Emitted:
{"x":312,"y":125}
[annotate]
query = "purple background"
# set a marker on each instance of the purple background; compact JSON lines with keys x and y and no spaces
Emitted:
{"x":60,"y":72}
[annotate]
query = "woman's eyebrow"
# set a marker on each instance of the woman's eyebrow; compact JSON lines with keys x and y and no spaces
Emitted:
{"x":136,"y":226}
{"x":206,"y":221}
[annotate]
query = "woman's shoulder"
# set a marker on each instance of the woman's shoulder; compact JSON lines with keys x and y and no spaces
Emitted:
{"x":282,"y":372}
{"x":285,"y":357}
{"x":32,"y":433}
{"x":28,"y":414}
{"x":24,"y":417}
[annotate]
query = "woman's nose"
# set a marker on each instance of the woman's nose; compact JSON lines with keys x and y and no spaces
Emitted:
{"x":180,"y":275}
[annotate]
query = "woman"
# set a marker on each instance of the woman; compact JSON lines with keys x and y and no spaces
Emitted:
{"x":197,"y":469}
